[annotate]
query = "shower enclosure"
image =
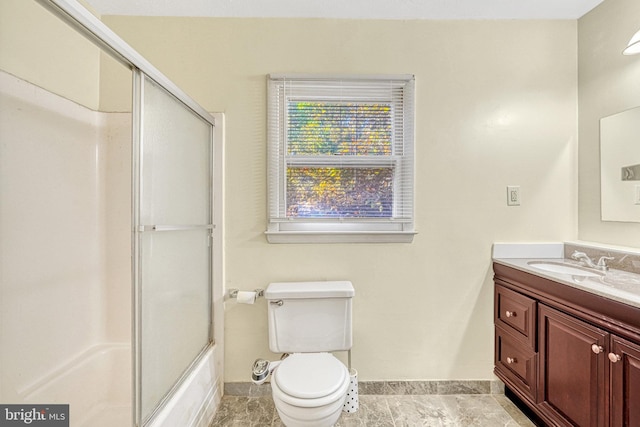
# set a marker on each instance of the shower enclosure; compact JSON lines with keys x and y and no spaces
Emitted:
{"x":110,"y":217}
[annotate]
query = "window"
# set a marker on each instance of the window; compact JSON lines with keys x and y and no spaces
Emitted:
{"x":340,"y":158}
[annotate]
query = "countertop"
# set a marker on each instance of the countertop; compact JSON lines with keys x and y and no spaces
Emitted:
{"x":618,"y":285}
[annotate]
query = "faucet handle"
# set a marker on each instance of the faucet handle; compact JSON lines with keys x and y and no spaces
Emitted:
{"x":584,"y":258}
{"x":602,"y":262}
{"x":578,"y":255}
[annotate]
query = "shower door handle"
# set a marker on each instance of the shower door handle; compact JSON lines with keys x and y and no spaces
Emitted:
{"x":143,"y":228}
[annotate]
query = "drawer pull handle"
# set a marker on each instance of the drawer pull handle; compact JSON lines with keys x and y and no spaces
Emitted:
{"x":614,"y":357}
{"x":597,"y":349}
{"x":511,"y":360}
{"x":510,"y":313}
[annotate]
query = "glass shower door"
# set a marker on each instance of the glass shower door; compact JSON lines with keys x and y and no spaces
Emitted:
{"x":172,"y":242}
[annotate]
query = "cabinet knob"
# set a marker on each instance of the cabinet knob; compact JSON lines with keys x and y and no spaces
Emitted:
{"x":597,"y":349}
{"x":511,"y":360}
{"x":614,"y":357}
{"x":510,"y":313}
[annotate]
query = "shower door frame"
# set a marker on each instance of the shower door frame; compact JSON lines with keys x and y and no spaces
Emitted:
{"x":140,"y":80}
{"x":98,"y":33}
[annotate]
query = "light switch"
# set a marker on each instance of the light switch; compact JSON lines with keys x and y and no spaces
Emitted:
{"x":513,"y":195}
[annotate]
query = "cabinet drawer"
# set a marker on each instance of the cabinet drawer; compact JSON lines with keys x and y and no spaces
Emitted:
{"x":516,"y":361}
{"x":516,"y":313}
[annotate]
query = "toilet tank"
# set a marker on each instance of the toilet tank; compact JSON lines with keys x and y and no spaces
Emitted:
{"x":309,"y":317}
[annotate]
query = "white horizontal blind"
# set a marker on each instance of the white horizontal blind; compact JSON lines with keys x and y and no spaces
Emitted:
{"x":341,"y":151}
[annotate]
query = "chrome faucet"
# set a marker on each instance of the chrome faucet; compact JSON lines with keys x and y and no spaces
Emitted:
{"x":601,"y":265}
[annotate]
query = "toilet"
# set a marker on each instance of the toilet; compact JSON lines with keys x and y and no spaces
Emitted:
{"x":308,"y":320}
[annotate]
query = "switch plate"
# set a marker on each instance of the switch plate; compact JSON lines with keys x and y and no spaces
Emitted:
{"x":513,"y":195}
{"x":636,"y":198}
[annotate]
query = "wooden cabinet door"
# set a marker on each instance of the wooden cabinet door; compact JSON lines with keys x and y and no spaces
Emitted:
{"x":573,"y":363}
{"x":625,"y":383}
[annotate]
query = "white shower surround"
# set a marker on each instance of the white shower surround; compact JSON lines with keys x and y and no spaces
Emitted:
{"x":65,"y":222}
{"x":82,"y":352}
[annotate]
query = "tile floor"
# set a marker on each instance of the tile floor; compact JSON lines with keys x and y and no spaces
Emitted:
{"x":477,"y":410}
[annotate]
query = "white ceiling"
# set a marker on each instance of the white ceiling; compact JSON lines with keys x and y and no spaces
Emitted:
{"x":352,"y":9}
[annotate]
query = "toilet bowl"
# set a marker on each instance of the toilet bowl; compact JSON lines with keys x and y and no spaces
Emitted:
{"x":309,"y":389}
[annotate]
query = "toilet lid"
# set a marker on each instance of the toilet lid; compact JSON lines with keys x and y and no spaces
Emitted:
{"x":310,"y":375}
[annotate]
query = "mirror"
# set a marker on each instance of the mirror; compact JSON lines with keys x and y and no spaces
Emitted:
{"x":620,"y":166}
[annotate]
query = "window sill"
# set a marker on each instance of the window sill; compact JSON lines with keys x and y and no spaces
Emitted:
{"x":340,"y":236}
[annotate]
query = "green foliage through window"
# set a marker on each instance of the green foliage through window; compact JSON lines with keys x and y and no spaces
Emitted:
{"x":339,"y":192}
{"x":339,"y":129}
{"x":331,"y":128}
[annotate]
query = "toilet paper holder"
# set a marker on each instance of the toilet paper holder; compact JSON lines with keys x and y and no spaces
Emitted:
{"x":233,"y":293}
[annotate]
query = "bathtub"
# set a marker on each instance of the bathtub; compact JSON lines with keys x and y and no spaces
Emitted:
{"x":195,"y":401}
{"x":96,"y":384}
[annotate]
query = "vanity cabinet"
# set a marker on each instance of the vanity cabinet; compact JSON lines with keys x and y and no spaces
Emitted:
{"x":571,"y":356}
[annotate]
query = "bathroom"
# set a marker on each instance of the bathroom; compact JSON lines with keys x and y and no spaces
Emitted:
{"x":499,"y":102}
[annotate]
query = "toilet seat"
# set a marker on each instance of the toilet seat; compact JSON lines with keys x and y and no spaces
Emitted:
{"x":310,"y":379}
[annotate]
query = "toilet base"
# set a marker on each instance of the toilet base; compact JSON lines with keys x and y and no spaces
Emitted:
{"x":325,"y":416}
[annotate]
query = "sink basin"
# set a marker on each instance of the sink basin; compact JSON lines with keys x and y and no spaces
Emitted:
{"x":561,"y":268}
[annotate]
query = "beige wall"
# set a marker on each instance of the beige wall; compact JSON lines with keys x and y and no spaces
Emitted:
{"x":39,"y":48}
{"x":496,"y":106}
{"x":609,"y":83}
